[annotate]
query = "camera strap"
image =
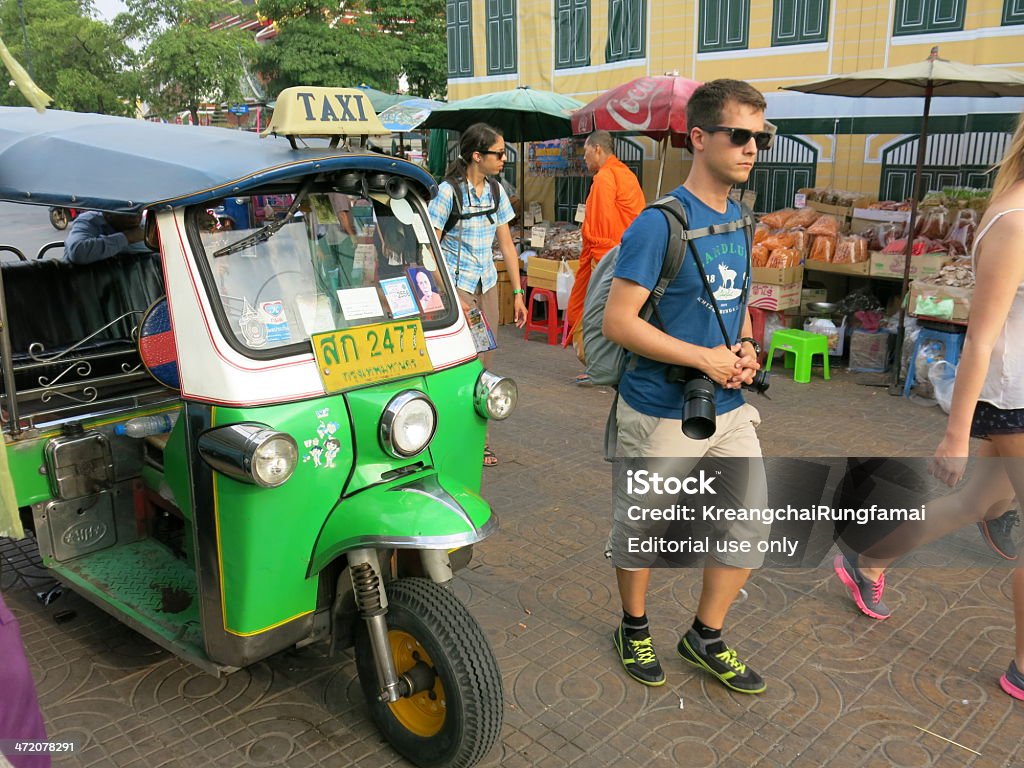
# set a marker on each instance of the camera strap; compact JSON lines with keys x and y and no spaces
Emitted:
{"x":688,"y":236}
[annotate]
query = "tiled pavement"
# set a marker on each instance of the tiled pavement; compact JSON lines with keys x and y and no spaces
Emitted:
{"x":843,"y":690}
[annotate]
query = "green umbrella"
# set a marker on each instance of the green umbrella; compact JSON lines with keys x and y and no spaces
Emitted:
{"x":522,"y":114}
{"x":380,"y":100}
{"x":437,"y":157}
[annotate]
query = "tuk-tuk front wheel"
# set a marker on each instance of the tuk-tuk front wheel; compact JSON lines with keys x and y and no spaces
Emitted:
{"x":456,"y":721}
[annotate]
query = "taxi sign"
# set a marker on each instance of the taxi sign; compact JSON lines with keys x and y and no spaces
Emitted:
{"x":323,"y":113}
{"x":370,"y":354}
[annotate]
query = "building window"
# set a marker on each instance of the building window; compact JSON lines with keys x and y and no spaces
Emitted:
{"x":627,"y":30}
{"x":918,"y":17}
{"x":572,"y":33}
{"x":800,"y":21}
{"x":501,"y":37}
{"x":459,"y":26}
{"x":1013,"y":12}
{"x":724,"y":25}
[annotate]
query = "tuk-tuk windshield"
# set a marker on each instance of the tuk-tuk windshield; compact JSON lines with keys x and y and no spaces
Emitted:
{"x":337,"y":262}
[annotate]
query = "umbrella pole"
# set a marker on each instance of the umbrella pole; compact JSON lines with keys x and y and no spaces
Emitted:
{"x":522,"y":195}
{"x":922,"y":143}
{"x":661,"y":168}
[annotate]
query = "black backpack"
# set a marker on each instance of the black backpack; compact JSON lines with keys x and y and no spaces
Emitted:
{"x":456,"y":214}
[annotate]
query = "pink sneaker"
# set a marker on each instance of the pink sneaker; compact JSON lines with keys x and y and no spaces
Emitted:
{"x":866,"y":594}
{"x":1013,"y":682}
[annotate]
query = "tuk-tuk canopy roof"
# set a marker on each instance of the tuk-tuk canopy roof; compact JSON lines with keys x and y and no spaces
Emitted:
{"x":119,"y":164}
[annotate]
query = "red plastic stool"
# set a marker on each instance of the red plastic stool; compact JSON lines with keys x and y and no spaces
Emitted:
{"x":549,"y":323}
{"x":757,"y":318}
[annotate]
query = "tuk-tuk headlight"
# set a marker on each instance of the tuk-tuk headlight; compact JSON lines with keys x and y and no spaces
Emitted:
{"x":250,"y":453}
{"x":495,"y":396}
{"x":408,"y":424}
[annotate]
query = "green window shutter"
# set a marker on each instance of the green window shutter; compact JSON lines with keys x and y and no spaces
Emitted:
{"x":572,"y":33}
{"x":800,"y":21}
{"x":459,"y":32}
{"x":1013,"y":12}
{"x":501,"y":37}
{"x":627,"y":30}
{"x":724,"y":25}
{"x":918,"y":17}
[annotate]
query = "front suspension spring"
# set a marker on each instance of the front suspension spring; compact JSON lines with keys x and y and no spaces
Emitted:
{"x":367,"y":589}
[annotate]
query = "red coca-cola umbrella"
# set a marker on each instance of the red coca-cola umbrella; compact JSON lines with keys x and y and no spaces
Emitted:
{"x":652,"y":106}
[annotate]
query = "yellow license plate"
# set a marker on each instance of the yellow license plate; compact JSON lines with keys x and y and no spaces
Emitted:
{"x":371,"y":354}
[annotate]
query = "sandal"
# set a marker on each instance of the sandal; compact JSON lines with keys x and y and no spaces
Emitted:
{"x":490,"y":460}
{"x":583,"y":380}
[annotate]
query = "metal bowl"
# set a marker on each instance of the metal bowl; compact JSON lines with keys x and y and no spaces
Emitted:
{"x":823,"y":307}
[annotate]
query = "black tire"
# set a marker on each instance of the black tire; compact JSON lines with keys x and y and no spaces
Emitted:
{"x":467,"y":674}
{"x":59,"y":218}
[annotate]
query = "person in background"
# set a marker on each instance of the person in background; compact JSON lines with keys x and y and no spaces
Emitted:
{"x":988,"y":403}
{"x":98,"y":235}
{"x":20,"y":716}
{"x":467,"y":247}
{"x":615,"y":199}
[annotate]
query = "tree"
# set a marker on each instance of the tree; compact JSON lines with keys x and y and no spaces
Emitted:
{"x":185,"y":62}
{"x":355,"y":42}
{"x":417,"y":30}
{"x":82,"y":62}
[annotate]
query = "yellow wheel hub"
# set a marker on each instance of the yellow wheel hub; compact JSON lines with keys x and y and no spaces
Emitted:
{"x":424,"y":713}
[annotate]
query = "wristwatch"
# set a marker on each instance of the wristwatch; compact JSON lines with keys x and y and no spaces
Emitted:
{"x":753,"y":343}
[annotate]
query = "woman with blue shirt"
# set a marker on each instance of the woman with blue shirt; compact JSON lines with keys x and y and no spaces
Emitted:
{"x":467,"y":246}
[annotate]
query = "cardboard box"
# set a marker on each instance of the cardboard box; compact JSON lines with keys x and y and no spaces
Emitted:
{"x":868,"y":218}
{"x":841,"y":211}
{"x":942,"y":302}
{"x":543,"y":273}
{"x":861,"y":268}
{"x":891,"y":265}
{"x":774,"y":297}
{"x":870,"y":351}
{"x":807,"y":295}
{"x":778,"y":276}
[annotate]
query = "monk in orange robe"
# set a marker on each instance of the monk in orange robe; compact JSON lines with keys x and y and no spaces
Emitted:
{"x":615,"y":199}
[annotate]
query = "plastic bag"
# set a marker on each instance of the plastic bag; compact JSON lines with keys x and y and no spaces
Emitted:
{"x":824,"y":327}
{"x":851,"y":249}
{"x":942,"y":376}
{"x":927,"y":356}
{"x":564,"y":281}
{"x":773,"y":322}
{"x":823,"y":248}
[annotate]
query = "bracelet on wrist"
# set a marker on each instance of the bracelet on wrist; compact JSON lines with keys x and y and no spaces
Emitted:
{"x":518,"y":292}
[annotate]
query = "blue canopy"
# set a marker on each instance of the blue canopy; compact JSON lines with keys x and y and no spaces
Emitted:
{"x":118,"y":164}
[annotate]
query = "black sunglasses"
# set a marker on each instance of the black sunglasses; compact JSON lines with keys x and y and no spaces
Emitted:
{"x":740,"y":136}
{"x":495,"y":152}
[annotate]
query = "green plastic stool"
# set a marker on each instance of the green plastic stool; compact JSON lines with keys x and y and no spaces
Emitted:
{"x":800,"y":347}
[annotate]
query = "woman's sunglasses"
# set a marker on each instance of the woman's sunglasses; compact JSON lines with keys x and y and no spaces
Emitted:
{"x":740,"y":136}
{"x":499,"y":153}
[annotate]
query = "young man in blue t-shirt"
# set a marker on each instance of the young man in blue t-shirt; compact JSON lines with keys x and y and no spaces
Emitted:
{"x":726,"y":126}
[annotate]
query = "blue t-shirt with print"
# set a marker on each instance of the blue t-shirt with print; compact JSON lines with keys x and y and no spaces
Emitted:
{"x":685,"y":307}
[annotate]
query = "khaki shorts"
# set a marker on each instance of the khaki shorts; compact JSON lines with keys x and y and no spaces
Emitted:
{"x":735,"y":439}
{"x":486,"y":302}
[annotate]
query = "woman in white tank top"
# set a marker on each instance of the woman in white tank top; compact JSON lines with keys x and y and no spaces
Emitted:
{"x":988,"y":403}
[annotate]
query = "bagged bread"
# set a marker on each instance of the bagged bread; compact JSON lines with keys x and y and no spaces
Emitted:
{"x":825,"y":225}
{"x":823,"y":248}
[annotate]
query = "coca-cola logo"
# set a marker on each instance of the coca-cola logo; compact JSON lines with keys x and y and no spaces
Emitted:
{"x":634,"y":112}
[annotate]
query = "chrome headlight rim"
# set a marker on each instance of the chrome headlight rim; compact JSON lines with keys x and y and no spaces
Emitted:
{"x":392,"y":410}
{"x":231,"y":449}
{"x":485,"y":385}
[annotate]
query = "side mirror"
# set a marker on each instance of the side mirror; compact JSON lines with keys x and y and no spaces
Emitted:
{"x":151,"y":236}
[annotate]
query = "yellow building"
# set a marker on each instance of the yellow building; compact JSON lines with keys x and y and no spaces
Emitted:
{"x":582,"y":48}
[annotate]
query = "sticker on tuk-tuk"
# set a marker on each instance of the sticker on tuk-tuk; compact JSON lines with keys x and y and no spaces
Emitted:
{"x":324,"y":448}
{"x":254,"y":332}
{"x":400,"y":298}
{"x":275,"y":321}
{"x":371,"y":354}
{"x":360,"y":303}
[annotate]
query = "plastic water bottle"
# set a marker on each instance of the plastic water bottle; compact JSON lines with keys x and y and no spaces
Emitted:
{"x":147,"y":425}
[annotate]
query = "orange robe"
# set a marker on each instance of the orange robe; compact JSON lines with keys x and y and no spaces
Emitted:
{"x":615,"y":199}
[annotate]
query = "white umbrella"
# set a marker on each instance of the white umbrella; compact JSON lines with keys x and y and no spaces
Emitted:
{"x":931,"y":77}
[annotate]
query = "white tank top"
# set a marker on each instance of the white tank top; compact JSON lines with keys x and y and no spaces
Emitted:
{"x":1004,"y":382}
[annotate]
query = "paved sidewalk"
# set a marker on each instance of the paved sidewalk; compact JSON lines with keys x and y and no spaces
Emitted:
{"x":843,"y":690}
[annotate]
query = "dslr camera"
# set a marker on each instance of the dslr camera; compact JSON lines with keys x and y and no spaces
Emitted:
{"x":699,"y":412}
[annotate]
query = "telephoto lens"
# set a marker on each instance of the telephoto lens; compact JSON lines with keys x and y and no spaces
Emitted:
{"x":698,"y":407}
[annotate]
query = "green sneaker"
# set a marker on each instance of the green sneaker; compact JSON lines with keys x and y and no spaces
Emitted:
{"x":730,"y":671}
{"x":637,"y":656}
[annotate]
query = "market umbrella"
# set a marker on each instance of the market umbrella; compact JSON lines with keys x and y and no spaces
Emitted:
{"x":931,"y":77}
{"x":653,"y":106}
{"x":380,"y":100}
{"x":407,"y":115}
